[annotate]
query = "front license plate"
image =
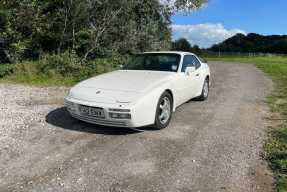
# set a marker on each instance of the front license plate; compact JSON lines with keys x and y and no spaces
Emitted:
{"x":91,"y":111}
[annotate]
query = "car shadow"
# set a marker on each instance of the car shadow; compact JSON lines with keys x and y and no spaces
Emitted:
{"x":61,"y":118}
{"x":194,"y":100}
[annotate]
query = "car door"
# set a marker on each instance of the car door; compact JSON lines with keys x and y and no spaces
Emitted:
{"x":187,"y":82}
{"x":199,"y":75}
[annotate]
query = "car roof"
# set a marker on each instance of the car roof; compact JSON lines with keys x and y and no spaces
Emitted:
{"x":171,"y":52}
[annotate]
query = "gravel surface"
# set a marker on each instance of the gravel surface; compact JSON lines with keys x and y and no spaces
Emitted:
{"x":209,"y":146}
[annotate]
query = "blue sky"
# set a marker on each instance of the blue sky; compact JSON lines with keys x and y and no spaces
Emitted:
{"x":220,"y":19}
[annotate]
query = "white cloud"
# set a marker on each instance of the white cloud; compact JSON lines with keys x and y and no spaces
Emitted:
{"x":204,"y":35}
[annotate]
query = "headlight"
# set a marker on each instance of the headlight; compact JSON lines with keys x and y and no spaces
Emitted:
{"x":120,"y":115}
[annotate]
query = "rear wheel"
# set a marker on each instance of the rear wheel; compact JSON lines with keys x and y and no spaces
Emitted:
{"x":164,"y":111}
{"x":205,"y":91}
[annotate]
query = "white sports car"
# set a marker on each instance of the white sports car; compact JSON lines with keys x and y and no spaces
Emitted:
{"x":144,"y":92}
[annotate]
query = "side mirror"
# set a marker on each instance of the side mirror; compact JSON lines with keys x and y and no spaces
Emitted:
{"x":204,"y":61}
{"x":189,"y":70}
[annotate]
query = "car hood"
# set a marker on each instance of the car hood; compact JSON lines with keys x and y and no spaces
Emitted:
{"x":119,"y":86}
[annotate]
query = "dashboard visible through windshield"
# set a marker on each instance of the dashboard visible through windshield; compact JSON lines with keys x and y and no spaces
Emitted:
{"x":154,"y":62}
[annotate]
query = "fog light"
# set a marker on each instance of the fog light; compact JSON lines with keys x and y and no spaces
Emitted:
{"x":114,"y":115}
{"x":120,"y":115}
{"x":71,"y":106}
{"x":120,"y":110}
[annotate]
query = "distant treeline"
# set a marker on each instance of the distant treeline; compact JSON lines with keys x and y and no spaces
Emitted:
{"x":253,"y":43}
{"x":183,"y":44}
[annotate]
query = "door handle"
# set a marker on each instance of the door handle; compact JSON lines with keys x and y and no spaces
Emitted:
{"x":197,"y":75}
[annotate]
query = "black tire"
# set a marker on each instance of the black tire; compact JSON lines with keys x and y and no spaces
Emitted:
{"x":204,"y":95}
{"x":161,"y":123}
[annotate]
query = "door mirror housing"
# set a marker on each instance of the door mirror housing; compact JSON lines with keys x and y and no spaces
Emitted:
{"x":189,"y":70}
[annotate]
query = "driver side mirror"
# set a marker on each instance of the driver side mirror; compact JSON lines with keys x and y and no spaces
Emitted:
{"x":189,"y":70}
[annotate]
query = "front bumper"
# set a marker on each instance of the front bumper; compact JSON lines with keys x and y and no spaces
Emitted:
{"x":72,"y":106}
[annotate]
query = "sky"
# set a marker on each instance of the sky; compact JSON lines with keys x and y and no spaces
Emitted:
{"x":220,"y":19}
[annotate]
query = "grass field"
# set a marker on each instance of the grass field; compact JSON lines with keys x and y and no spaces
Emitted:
{"x":29,"y":77}
{"x":39,"y":80}
{"x":276,"y":146}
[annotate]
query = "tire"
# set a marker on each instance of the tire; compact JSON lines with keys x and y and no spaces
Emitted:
{"x":164,"y":111}
{"x":205,"y":91}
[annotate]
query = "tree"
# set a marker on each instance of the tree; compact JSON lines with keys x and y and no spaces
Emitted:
{"x":173,"y":6}
{"x":195,"y":49}
{"x":136,"y":26}
{"x":91,"y":28}
{"x":181,"y":45}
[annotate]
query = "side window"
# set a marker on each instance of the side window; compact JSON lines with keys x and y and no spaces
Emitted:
{"x":187,"y":62}
{"x":196,"y":62}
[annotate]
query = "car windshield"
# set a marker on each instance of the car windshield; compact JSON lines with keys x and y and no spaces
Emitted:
{"x":154,"y":62}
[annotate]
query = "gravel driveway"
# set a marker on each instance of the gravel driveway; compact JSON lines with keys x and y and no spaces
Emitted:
{"x":209,"y":146}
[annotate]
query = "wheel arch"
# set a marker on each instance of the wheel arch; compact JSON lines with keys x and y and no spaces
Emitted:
{"x":173,"y":99}
{"x":208,"y":78}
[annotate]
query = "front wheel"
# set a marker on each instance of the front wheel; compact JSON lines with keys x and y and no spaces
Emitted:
{"x":205,"y":91}
{"x":164,"y":111}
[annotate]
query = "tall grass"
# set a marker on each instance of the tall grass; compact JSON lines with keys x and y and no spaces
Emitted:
{"x":58,"y":70}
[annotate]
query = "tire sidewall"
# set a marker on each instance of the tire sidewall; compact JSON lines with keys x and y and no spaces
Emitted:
{"x":158,"y":125}
{"x":206,"y":81}
{"x":202,"y":97}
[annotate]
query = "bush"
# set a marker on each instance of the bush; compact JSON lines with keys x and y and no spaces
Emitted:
{"x":6,"y":70}
{"x":63,"y":69}
{"x":27,"y":68}
{"x":101,"y":65}
{"x":66,"y":64}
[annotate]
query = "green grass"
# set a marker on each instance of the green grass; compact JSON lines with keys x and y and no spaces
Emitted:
{"x":64,"y":69}
{"x":11,"y":73}
{"x":276,"y":146}
{"x":29,"y":74}
{"x":38,"y":80}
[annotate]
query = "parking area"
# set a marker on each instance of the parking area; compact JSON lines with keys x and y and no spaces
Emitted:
{"x":209,"y":146}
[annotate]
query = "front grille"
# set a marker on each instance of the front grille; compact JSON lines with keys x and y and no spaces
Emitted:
{"x":91,"y":107}
{"x":98,"y":121}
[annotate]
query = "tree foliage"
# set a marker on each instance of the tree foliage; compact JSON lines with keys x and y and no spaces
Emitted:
{"x":183,"y":44}
{"x":183,"y":5}
{"x":30,"y":29}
